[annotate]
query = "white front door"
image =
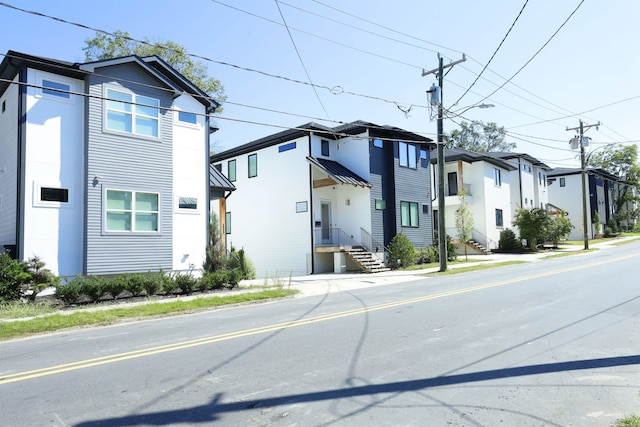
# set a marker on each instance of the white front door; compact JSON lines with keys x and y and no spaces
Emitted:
{"x":325,"y":218}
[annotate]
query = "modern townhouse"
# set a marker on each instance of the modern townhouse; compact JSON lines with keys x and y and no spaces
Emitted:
{"x":104,"y":166}
{"x":317,"y":199}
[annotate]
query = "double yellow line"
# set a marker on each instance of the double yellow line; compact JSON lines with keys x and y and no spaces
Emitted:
{"x":67,"y":367}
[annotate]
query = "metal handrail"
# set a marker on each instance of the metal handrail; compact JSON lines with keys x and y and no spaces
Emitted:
{"x":487,"y":242}
{"x":371,"y":244}
{"x":335,"y":237}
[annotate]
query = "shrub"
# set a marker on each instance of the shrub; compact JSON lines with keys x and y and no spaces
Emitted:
{"x":152,"y":283}
{"x":114,"y":286}
{"x":168,"y":284}
{"x":401,"y":251}
{"x":427,"y":255}
{"x":13,"y":275}
{"x":71,"y":291}
{"x":93,"y":287}
{"x":508,"y":240}
{"x":608,"y":232}
{"x":186,"y":282}
{"x":452,"y":250}
{"x":232,"y":277}
{"x":613,"y":224}
{"x":213,"y":280}
{"x":238,"y":260}
{"x":41,"y":278}
{"x":134,"y":283}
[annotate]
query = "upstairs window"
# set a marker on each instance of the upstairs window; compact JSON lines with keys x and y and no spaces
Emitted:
{"x":231,"y":170}
{"x":377,"y":143}
{"x":52,"y":88}
{"x":50,"y":194}
{"x":253,"y":165}
{"x":324,"y":147}
{"x":407,"y":155}
{"x":130,"y":113}
{"x":499,"y":222}
{"x":562,"y":182}
{"x":189,"y":118}
{"x":409,"y":214}
{"x":497,"y":177}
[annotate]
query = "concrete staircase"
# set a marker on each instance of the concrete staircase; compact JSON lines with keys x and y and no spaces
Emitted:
{"x":478,"y":247}
{"x":366,"y":260}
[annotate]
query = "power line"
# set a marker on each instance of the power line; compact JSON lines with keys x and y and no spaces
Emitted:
{"x":494,"y":54}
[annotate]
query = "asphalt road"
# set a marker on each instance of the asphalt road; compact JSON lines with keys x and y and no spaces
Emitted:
{"x":549,"y":343}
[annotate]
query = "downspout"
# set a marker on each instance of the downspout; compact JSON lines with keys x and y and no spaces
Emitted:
{"x":21,"y":165}
{"x":311,"y":212}
{"x":207,"y":134}
{"x":520,"y":182}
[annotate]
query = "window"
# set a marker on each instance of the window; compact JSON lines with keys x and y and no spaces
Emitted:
{"x":50,"y":194}
{"x":231,"y":170}
{"x":324,"y":147}
{"x":452,"y":181}
{"x":423,"y":154}
{"x":190,"y":203}
{"x":409,"y":214}
{"x":227,"y":223}
{"x":407,"y":154}
{"x":497,"y":179}
{"x":562,"y":182}
{"x":381,"y":204}
{"x":123,"y":116}
{"x":253,"y":165}
{"x":526,"y":201}
{"x":132,"y":211}
{"x":52,"y":88}
{"x":498,"y":217}
{"x":287,"y":147}
{"x":4,"y":106}
{"x":377,"y":143}
{"x":189,"y":118}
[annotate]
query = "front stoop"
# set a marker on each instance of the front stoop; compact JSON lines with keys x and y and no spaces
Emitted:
{"x":366,"y":260}
{"x":478,"y":247}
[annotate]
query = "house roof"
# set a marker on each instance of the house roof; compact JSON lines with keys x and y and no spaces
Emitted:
{"x":337,"y":132}
{"x":505,"y":155}
{"x":576,"y":171}
{"x":338,"y":173}
{"x":217,"y":181}
{"x":455,"y":154}
{"x":14,"y":61}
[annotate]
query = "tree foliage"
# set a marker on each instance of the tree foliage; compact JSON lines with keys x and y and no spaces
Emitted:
{"x":537,"y":225}
{"x":401,"y":251}
{"x":104,"y":46}
{"x":464,"y":221}
{"x":621,"y":161}
{"x":479,"y":137}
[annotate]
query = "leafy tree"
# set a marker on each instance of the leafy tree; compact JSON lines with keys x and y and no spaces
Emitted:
{"x":559,"y":228}
{"x":479,"y":137}
{"x":621,"y":161}
{"x":104,"y":46}
{"x":215,"y":254}
{"x":464,"y":221}
{"x":508,"y":240}
{"x":401,"y":251}
{"x":533,"y":225}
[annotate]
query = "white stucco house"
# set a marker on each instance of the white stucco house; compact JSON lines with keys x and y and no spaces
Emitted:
{"x":312,"y":199}
{"x":104,"y":166}
{"x":486,"y":181}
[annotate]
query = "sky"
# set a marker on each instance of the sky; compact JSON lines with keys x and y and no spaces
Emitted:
{"x":290,"y":62}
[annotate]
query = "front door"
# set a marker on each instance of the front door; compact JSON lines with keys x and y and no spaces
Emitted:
{"x":325,"y":217}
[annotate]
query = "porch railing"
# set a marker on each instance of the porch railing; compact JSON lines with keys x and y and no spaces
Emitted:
{"x":334,"y":237}
{"x":371,"y":244}
{"x":488,"y":243}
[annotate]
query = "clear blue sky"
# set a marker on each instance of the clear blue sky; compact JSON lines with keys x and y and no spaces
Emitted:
{"x":589,"y":70}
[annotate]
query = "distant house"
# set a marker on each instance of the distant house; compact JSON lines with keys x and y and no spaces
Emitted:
{"x":104,"y":165}
{"x":317,"y":199}
{"x":565,"y":192}
{"x":486,"y":181}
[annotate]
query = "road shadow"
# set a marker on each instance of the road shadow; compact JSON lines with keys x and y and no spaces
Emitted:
{"x":215,"y":408}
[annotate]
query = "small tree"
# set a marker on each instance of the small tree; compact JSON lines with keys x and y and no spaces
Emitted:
{"x":215,"y":256}
{"x":533,"y":224}
{"x":401,"y":251}
{"x":464,"y":221}
{"x":559,"y":228}
{"x":508,"y":240}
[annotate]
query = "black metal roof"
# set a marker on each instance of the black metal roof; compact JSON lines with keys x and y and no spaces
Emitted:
{"x":217,"y":181}
{"x":575,"y":171}
{"x":338,"y":172}
{"x":507,"y":155}
{"x":455,"y":154}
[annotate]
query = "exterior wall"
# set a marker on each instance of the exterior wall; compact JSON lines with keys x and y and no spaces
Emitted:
{"x":264,"y":221}
{"x":9,"y":120}
{"x":541,"y":193}
{"x":190,"y":179}
{"x":496,"y":198}
{"x":121,"y":161}
{"x":53,"y":157}
{"x":569,"y":199}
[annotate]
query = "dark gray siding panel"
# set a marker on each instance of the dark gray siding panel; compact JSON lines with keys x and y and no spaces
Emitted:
{"x":413,"y":185}
{"x":126,"y":162}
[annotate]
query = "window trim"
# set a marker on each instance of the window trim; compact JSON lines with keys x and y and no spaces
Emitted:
{"x":255,"y":156}
{"x":131,"y":232}
{"x":409,"y":151}
{"x":184,"y":210}
{"x":499,"y":218}
{"x":227,"y":222}
{"x":497,"y":177}
{"x":37,"y":195}
{"x":133,"y":113}
{"x":324,"y":143}
{"x":380,"y":204}
{"x":55,"y":96}
{"x":286,"y":147}
{"x":562,"y":181}
{"x":410,"y":223}
{"x":179,"y":121}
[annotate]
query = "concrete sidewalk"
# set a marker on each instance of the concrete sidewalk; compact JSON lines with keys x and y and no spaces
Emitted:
{"x":319,"y":284}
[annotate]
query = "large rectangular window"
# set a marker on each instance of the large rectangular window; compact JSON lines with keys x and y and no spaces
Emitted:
{"x":132,"y":113}
{"x":132,"y":211}
{"x":231,"y":170}
{"x":253,"y":165}
{"x":499,"y":218}
{"x":409,"y":214}
{"x":452,"y":183}
{"x":407,"y":155}
{"x":497,"y":178}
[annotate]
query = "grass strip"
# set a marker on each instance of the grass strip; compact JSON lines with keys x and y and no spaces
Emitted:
{"x":459,"y":270}
{"x":55,"y":322}
{"x":632,"y":421}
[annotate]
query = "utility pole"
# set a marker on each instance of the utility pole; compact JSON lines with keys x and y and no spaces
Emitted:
{"x":585,"y":224}
{"x":442,"y":234}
